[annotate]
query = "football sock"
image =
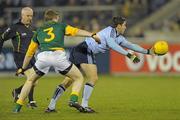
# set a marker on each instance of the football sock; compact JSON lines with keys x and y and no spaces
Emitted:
{"x":30,"y":96}
{"x":74,"y":97}
{"x":18,"y":90}
{"x":58,"y":92}
{"x":88,"y":88}
{"x":18,"y":106}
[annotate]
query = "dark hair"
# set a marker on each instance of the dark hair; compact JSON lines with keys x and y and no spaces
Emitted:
{"x":117,"y":20}
{"x":50,"y":14}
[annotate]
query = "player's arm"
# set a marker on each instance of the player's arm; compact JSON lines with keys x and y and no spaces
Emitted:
{"x":72,"y":31}
{"x":113,"y":45}
{"x":29,"y":54}
{"x":136,"y":47}
{"x":7,"y":34}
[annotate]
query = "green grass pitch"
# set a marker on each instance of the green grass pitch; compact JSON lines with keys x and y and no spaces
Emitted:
{"x":114,"y":98}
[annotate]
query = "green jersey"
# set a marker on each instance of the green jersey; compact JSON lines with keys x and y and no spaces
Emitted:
{"x":50,"y":36}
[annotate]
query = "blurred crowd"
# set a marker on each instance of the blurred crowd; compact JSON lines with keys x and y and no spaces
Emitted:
{"x":134,"y":10}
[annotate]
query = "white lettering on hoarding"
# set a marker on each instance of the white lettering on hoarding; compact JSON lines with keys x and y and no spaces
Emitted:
{"x":164,"y":63}
{"x":152,"y":62}
{"x":175,"y":62}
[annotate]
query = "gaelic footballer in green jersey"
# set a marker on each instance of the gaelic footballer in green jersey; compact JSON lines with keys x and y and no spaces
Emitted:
{"x":50,"y":40}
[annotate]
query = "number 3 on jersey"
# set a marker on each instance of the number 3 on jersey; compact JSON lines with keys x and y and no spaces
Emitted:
{"x":49,"y":31}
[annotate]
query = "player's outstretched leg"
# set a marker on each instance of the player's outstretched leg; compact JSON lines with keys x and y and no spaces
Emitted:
{"x":58,"y":92}
{"x":90,"y":71}
{"x":77,"y":77}
{"x":25,"y":91}
{"x":88,"y":88}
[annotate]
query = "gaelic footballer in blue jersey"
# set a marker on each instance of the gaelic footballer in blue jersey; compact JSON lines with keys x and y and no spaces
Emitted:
{"x":83,"y":56}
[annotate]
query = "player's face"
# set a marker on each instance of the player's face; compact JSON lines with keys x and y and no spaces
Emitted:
{"x":121,"y":28}
{"x":27,"y":17}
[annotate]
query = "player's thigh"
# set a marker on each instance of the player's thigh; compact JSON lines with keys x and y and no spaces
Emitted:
{"x":90,"y":70}
{"x":74,"y":73}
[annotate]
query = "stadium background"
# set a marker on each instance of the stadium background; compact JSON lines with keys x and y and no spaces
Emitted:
{"x":148,"y":21}
{"x":148,"y":90}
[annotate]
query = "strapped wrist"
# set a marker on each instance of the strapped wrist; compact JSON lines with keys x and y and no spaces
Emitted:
{"x":129,"y":55}
{"x":93,"y":35}
{"x":148,"y":51}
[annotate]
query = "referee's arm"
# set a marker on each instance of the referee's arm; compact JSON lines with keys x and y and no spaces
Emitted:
{"x":9,"y":33}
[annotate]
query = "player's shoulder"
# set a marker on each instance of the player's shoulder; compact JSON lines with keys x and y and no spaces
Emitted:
{"x":107,"y":31}
{"x":62,"y":24}
{"x":108,"y":28}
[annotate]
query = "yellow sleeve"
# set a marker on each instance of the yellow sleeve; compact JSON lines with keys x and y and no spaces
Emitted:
{"x":69,"y":30}
{"x":32,"y":48}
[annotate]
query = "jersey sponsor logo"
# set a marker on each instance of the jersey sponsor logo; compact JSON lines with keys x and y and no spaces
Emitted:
{"x":23,"y":34}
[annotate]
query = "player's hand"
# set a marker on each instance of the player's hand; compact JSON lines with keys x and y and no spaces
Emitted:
{"x":151,"y":51}
{"x":134,"y":58}
{"x":20,"y":71}
{"x":94,"y":36}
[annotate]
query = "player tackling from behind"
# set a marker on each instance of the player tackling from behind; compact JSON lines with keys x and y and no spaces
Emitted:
{"x":50,"y":39}
{"x":83,"y":56}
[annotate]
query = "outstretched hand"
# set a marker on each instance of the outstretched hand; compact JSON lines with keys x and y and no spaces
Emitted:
{"x":151,"y":51}
{"x":134,"y":58}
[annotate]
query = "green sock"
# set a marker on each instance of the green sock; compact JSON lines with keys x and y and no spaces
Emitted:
{"x":74,"y":98}
{"x":17,"y":108}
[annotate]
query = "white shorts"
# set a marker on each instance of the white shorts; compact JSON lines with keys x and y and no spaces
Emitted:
{"x":56,"y":59}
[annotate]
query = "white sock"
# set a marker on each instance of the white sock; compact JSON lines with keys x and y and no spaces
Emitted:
{"x":58,"y":92}
{"x":88,"y":88}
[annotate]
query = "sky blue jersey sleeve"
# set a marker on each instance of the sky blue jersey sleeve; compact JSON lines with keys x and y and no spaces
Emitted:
{"x":113,"y":45}
{"x":133,"y":47}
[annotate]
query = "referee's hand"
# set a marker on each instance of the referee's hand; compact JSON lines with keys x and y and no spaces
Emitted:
{"x":20,"y":71}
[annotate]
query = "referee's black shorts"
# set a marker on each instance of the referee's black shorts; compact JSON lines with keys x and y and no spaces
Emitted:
{"x":81,"y":54}
{"x":19,"y":58}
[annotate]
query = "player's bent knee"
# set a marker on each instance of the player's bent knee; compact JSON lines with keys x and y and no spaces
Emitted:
{"x":75,"y":74}
{"x":35,"y":83}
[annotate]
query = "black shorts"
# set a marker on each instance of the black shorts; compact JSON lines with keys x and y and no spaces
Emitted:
{"x":19,"y":59}
{"x":81,"y":54}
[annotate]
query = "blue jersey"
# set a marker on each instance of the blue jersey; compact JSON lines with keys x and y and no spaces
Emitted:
{"x":111,"y":39}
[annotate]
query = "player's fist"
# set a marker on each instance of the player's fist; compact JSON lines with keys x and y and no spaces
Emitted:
{"x":134,"y":58}
{"x":151,"y":51}
{"x":96,"y":38}
{"x":20,"y":71}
